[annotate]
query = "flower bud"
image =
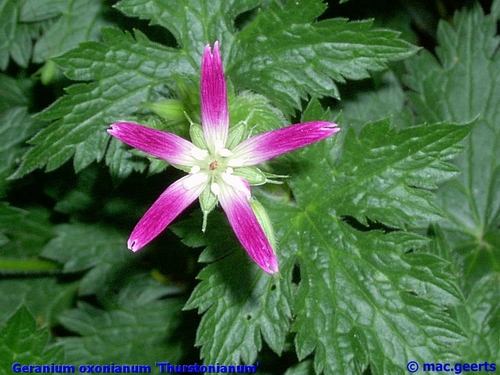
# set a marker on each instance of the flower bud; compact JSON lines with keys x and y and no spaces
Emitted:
{"x":168,"y":109}
{"x":48,"y":72}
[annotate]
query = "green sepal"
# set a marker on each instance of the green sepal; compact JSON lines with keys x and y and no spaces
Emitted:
{"x":272,"y":178}
{"x":171,"y":110}
{"x":197,"y":136}
{"x":264,"y":220}
{"x":253,"y":175}
{"x":208,"y":201}
{"x":236,"y":135}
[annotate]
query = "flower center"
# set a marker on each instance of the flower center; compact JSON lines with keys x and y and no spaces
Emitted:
{"x":212,"y":164}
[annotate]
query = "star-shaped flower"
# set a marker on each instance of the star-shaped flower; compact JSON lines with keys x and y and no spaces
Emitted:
{"x":216,"y":165}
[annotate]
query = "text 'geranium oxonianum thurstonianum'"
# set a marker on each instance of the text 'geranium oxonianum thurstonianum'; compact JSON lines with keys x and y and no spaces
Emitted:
{"x":218,"y":164}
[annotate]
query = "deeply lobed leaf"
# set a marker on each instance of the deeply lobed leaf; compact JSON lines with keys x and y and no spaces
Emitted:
{"x":298,"y":59}
{"x":385,"y":176}
{"x":240,"y":303}
{"x":360,"y":289}
{"x":460,"y":85}
{"x":480,"y":315}
{"x":79,"y":21}
{"x":17,"y":127}
{"x":193,"y":23}
{"x":23,"y":342}
{"x":82,"y":247}
{"x":15,"y":39}
{"x":83,"y":115}
{"x":26,"y":231}
{"x":142,"y":334}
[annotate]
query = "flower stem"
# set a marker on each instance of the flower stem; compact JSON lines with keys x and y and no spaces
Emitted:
{"x":28,"y":266}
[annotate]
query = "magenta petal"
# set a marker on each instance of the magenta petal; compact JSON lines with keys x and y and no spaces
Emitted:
{"x":167,"y":207}
{"x":214,"y":112}
{"x":166,"y":146}
{"x":247,"y":228}
{"x":265,"y":146}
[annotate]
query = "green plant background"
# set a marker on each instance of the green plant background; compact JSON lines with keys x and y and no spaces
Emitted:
{"x":388,"y":233}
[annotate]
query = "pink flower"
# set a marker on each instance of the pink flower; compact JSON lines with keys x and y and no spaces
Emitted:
{"x":215,"y":171}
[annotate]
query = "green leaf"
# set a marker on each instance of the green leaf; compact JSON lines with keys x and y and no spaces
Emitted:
{"x":83,"y":115}
{"x":128,"y":71}
{"x":134,"y":287}
{"x":79,"y":21}
{"x":16,"y":126}
{"x":385,"y":175}
{"x":82,"y":247}
{"x":463,"y":84}
{"x":256,"y":111}
{"x":23,"y":342}
{"x":121,"y":162}
{"x":193,"y":24}
{"x":279,"y":53}
{"x":480,"y":317}
{"x":41,"y":10}
{"x":303,"y":368}
{"x":44,"y":297}
{"x":350,"y":277}
{"x":15,"y":39}
{"x":139,"y":334}
{"x":356,"y":296}
{"x":374,"y":99}
{"x":26,"y":231}
{"x":239,"y":306}
{"x":284,"y":57}
{"x":440,"y":247}
{"x":22,"y":236}
{"x":358,"y":289}
{"x":14,"y":92}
